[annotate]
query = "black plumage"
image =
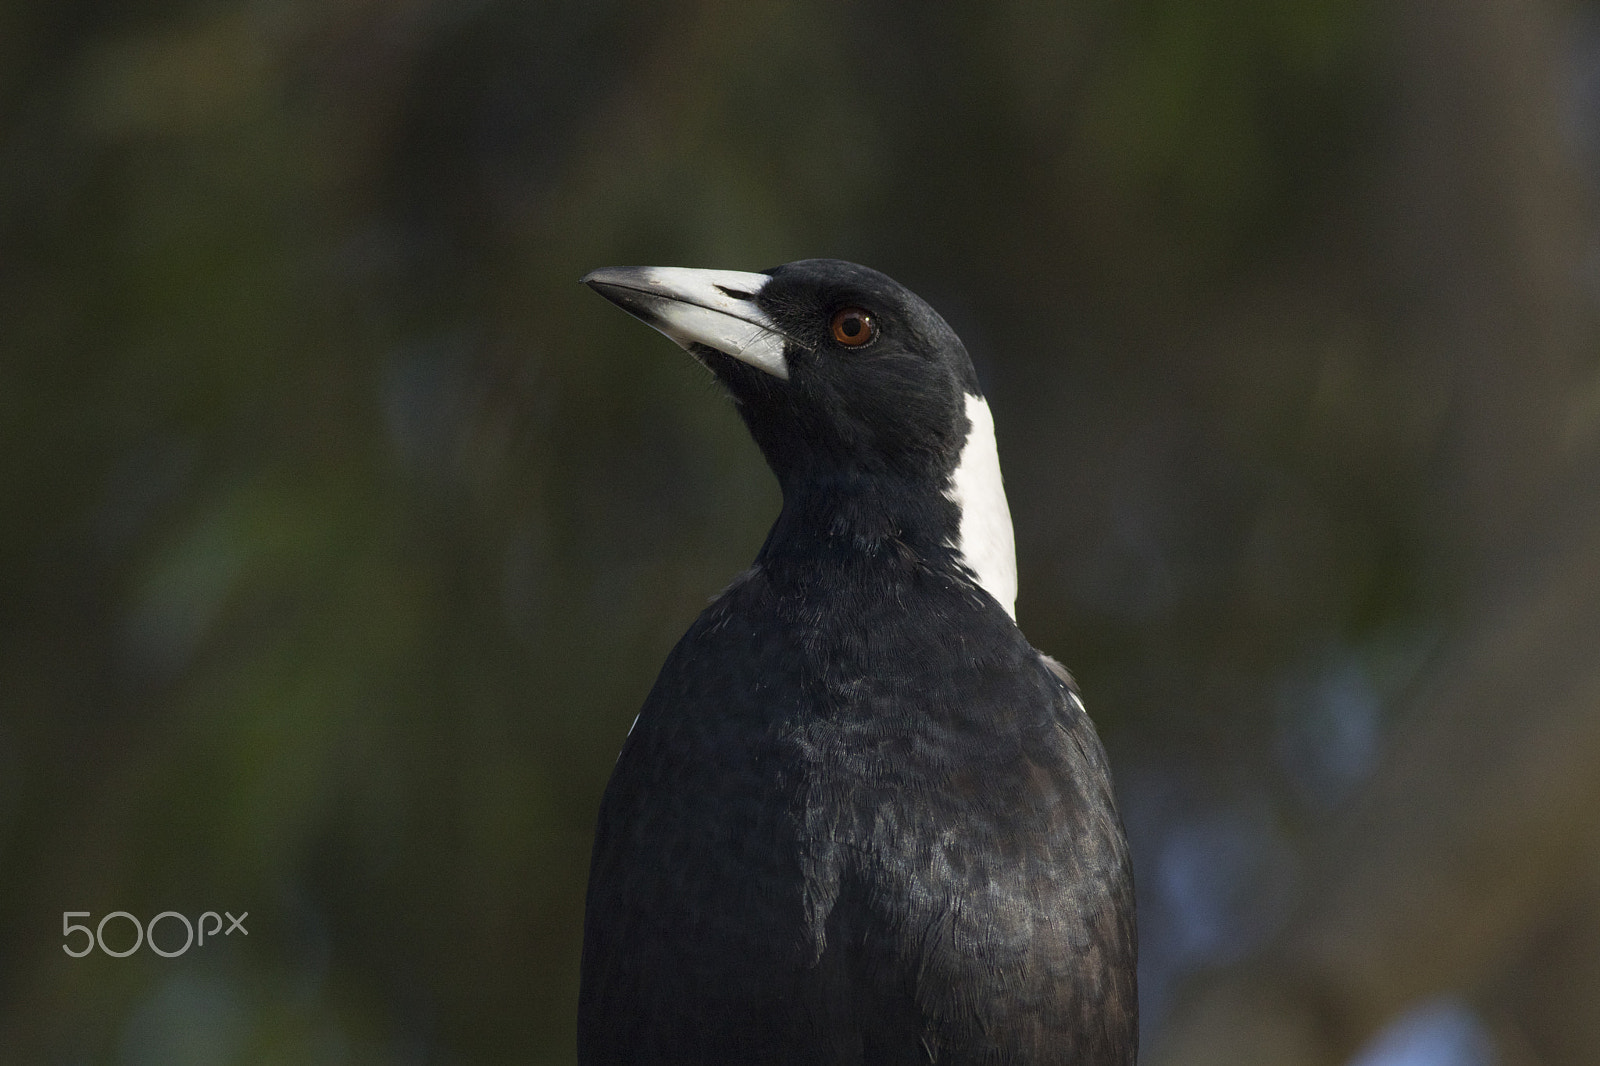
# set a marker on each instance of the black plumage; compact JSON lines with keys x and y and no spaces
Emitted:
{"x":859,"y":819}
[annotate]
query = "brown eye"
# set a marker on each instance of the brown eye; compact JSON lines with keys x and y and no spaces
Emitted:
{"x":853,"y":327}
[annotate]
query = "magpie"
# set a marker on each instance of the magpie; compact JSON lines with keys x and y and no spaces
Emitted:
{"x":859,"y":818}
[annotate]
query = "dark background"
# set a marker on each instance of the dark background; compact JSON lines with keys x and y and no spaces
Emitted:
{"x":343,"y":531}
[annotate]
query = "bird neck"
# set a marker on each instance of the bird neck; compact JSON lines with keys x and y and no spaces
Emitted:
{"x":876,"y":526}
{"x":847,"y":516}
{"x":840,"y":510}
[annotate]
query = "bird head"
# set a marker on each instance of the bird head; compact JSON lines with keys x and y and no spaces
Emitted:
{"x":854,"y":389}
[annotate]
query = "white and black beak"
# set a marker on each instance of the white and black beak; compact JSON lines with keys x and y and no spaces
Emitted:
{"x":713,"y":308}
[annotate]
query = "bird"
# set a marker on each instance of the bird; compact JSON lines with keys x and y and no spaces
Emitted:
{"x":859,"y":818}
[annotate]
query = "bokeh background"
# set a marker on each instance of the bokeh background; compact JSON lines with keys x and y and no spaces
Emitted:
{"x":343,"y":531}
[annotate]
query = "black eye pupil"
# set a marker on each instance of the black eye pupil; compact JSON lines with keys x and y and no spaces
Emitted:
{"x":851,"y":326}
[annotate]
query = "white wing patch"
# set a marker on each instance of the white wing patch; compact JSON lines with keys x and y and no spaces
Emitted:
{"x":985,"y":541}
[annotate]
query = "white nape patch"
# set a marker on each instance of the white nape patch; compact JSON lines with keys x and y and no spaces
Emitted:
{"x":696,"y":308}
{"x":985,"y":542}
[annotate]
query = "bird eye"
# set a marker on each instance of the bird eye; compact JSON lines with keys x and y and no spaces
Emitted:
{"x":853,"y":327}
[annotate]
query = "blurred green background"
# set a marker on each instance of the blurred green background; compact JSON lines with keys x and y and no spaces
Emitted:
{"x":344,"y":531}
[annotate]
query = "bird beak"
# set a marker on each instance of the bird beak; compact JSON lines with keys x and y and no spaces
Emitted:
{"x":714,"y":308}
